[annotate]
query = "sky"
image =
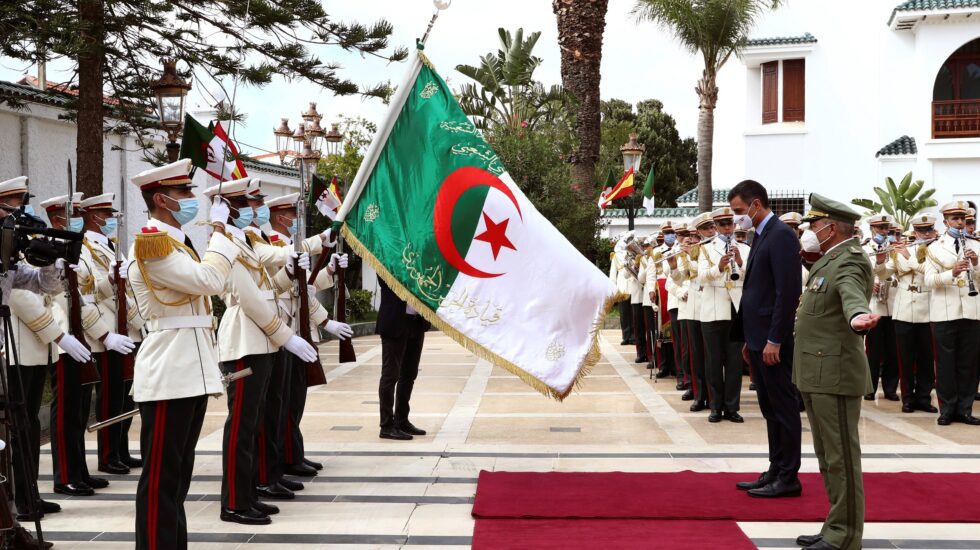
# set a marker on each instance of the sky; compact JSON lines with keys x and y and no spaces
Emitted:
{"x":640,"y":61}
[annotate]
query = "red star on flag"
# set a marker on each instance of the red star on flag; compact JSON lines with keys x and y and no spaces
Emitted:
{"x":495,"y":235}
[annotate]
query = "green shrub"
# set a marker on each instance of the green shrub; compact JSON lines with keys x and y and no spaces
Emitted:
{"x":359,"y":306}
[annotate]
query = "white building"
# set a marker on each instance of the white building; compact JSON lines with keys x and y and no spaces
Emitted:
{"x":846,"y":93}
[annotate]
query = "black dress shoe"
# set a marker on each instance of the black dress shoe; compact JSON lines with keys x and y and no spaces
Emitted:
{"x":688,"y":396}
{"x":714,"y":417}
{"x":807,"y":540}
{"x":394,"y":433}
{"x":624,"y":342}
{"x":315,"y":465}
{"x":662,"y":374}
{"x":300,"y":470}
{"x":764,"y":479}
{"x":751,"y":386}
{"x":869,"y":397}
{"x":50,"y":507}
{"x":410,"y":428}
{"x":734,"y":417}
{"x":267,"y":509}
{"x":929,"y":409}
{"x":820,"y":545}
{"x":132,"y":461}
{"x":778,"y":489}
{"x":116,"y":468}
{"x":892,"y":397}
{"x":697,"y":407}
{"x":679,"y":386}
{"x":908,"y":408}
{"x":276,"y":491}
{"x":290,"y":484}
{"x":74,"y":489}
{"x":246,"y":517}
{"x":25,"y":517}
{"x":976,"y":397}
{"x":969,"y":420}
{"x":96,"y":482}
{"x":944,"y":420}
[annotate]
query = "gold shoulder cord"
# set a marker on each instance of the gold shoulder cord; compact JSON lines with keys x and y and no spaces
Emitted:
{"x":936,"y":261}
{"x":255,"y":268}
{"x":95,"y":256}
{"x":153,"y":288}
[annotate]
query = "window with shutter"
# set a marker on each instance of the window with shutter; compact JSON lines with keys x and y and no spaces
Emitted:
{"x":794,"y":90}
{"x":770,"y":92}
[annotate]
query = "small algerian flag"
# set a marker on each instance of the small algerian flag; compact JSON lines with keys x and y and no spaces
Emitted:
{"x":210,"y":149}
{"x":434,"y":211}
{"x":622,"y":189}
{"x":328,"y":200}
{"x":648,"y":195}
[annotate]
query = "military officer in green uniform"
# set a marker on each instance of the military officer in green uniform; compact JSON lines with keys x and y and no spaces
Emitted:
{"x":830,"y":367}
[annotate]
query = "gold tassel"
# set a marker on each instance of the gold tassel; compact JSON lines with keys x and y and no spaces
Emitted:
{"x":920,"y":253}
{"x":253,"y":238}
{"x":149,"y":246}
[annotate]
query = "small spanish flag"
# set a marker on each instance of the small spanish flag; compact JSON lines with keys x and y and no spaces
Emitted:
{"x":622,"y":189}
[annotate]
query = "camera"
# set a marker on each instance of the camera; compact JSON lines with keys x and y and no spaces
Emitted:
{"x":23,"y":235}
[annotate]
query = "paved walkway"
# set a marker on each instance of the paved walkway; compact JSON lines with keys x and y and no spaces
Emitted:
{"x":382,"y":494}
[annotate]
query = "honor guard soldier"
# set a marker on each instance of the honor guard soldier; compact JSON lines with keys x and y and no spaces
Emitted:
{"x":177,"y":367}
{"x":882,"y":354}
{"x":100,"y":222}
{"x":913,"y":334}
{"x":793,"y":220}
{"x":71,"y":398}
{"x":617,"y":275}
{"x":719,"y":275}
{"x":741,"y":236}
{"x":250,"y":334}
{"x":676,"y":298}
{"x":830,"y":367}
{"x":953,"y":277}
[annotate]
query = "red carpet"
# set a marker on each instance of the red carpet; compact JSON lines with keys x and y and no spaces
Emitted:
{"x":890,"y":497}
{"x":608,"y":534}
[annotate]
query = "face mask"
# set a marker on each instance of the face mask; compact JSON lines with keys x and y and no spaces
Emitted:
{"x":294,"y":227}
{"x":76,"y":225}
{"x":811,"y":243}
{"x":880,"y":239}
{"x":892,"y":239}
{"x":670,"y":239}
{"x":110,"y":226}
{"x":29,"y":210}
{"x":245,"y":216}
{"x":187,"y":210}
{"x":956,"y":233}
{"x":261,"y":215}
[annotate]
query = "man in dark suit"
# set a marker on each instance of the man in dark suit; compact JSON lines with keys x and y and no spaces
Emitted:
{"x":402,"y":332}
{"x":770,"y":296}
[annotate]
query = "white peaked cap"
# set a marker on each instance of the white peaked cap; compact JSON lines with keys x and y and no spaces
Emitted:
{"x":170,"y":175}
{"x":233,"y":188}
{"x":99,"y":202}
{"x":285,"y":201}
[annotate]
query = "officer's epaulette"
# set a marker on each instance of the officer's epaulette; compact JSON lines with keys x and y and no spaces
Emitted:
{"x":612,"y":255}
{"x":855,"y":249}
{"x":254,"y":238}
{"x":152,"y":243}
{"x":274,"y":240}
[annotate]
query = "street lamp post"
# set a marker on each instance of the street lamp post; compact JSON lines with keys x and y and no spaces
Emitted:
{"x":632,"y":155}
{"x":170,"y":91}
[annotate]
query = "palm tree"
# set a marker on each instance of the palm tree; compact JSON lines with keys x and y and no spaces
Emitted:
{"x":504,"y":92}
{"x":716,"y":29}
{"x":581,"y":24}
{"x":902,"y":201}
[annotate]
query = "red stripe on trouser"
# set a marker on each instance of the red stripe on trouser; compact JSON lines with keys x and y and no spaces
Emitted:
{"x":60,"y":421}
{"x":262,"y":457}
{"x":153,"y":508}
{"x":104,"y":433}
{"x":236,"y":417}
{"x":288,"y":438}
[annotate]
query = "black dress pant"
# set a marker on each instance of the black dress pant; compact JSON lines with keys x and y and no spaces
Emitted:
{"x":128,"y":405}
{"x":626,"y":320}
{"x":293,"y":451}
{"x":916,"y":362}
{"x":246,"y":405}
{"x":30,"y":379}
{"x":84,"y":414}
{"x":695,"y":346}
{"x":723,"y":366}
{"x":271,"y":428}
{"x":639,"y":331}
{"x":679,"y":349}
{"x":780,"y":406}
{"x":956,"y":365}
{"x":109,"y":399}
{"x":168,"y":435}
{"x":67,"y":426}
{"x":883,"y":356}
{"x":650,"y":322}
{"x":399,"y":369}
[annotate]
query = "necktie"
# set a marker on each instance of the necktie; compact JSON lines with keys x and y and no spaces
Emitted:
{"x":112,"y":245}
{"x":957,"y":245}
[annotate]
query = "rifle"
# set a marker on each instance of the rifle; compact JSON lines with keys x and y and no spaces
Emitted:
{"x":88,"y":373}
{"x":122,"y":307}
{"x":314,"y":369}
{"x":347,"y":354}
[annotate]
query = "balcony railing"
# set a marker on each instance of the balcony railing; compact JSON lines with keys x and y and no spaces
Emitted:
{"x":956,"y":119}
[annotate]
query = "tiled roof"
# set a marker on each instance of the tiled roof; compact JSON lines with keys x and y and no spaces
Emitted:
{"x":926,"y":5}
{"x":904,"y":145}
{"x":806,"y":38}
{"x":30,"y":93}
{"x":691,"y":197}
{"x":657,"y":213}
{"x":270,"y":168}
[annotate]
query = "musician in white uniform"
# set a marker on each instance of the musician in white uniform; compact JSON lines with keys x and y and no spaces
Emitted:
{"x":880,"y":341}
{"x":617,"y":275}
{"x":676,"y":295}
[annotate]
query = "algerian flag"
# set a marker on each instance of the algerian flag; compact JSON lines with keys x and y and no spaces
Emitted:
{"x":648,"y":196}
{"x":433,"y":210}
{"x":210,"y":149}
{"x":327,"y":196}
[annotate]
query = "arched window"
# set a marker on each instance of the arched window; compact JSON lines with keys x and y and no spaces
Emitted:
{"x":956,"y":94}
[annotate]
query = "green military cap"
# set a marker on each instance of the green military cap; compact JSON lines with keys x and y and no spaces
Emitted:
{"x":822,"y":207}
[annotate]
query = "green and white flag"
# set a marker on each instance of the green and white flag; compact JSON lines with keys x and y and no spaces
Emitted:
{"x":434,"y":211}
{"x":649,"y":199}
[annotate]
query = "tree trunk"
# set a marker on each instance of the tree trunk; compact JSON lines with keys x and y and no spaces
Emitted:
{"x":88,"y":149}
{"x":580,"y":27}
{"x":708,"y":94}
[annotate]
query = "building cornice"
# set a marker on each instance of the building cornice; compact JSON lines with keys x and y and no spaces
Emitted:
{"x":908,"y":16}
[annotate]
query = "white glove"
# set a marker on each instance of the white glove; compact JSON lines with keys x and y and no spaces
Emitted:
{"x":123,"y":272}
{"x":341,"y":330}
{"x":219,"y":211}
{"x":328,"y":239}
{"x":119,"y":343}
{"x":301,"y":348}
{"x":304,"y":262}
{"x":337,"y":260}
{"x":311,"y":291}
{"x":74,"y":348}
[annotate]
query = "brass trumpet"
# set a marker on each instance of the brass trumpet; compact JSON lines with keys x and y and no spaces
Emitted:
{"x":679,"y":252}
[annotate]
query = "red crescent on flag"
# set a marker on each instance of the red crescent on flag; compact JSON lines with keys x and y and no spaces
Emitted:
{"x":452,"y":189}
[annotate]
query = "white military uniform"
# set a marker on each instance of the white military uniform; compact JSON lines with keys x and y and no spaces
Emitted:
{"x":719,"y":292}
